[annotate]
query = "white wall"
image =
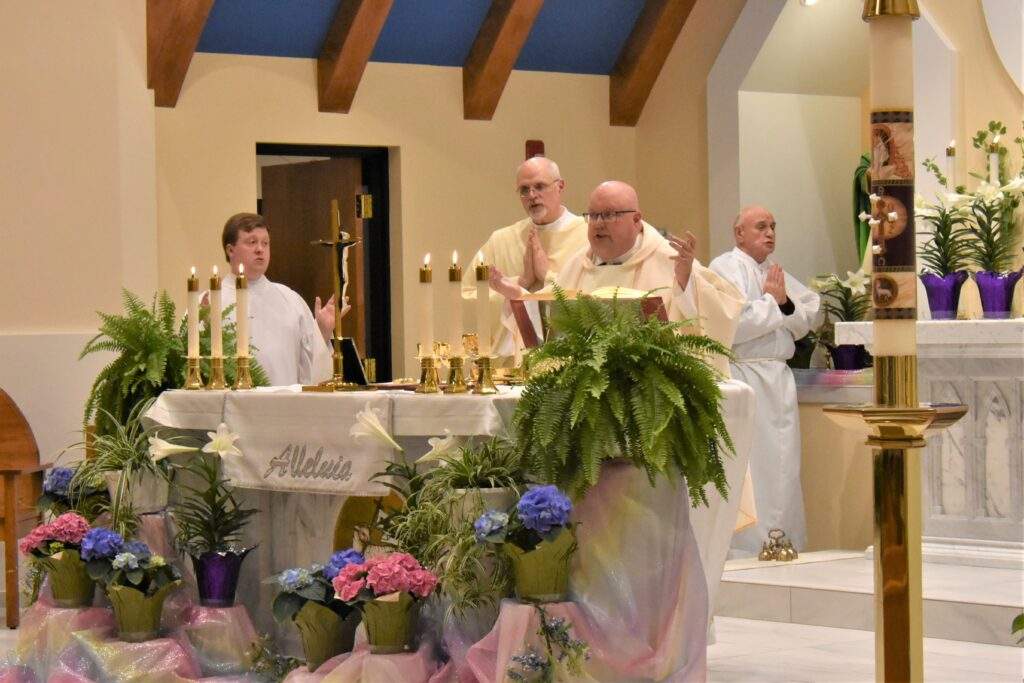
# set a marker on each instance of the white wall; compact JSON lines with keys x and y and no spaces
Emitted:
{"x":797,"y":157}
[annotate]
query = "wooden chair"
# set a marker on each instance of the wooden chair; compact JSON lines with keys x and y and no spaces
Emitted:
{"x":21,"y":478}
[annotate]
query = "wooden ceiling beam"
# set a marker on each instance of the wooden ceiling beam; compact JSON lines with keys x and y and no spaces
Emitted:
{"x":347,"y":48}
{"x":495,"y":50}
{"x":173,"y":28}
{"x":643,"y":56}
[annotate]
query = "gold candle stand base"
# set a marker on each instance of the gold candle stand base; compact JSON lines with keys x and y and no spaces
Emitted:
{"x":429,"y":383}
{"x":217,"y":375}
{"x":243,"y":375}
{"x":337,"y":381}
{"x":484,"y":379}
{"x":193,"y":380}
{"x":456,"y":376}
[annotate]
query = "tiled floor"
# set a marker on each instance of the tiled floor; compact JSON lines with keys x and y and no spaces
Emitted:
{"x":773,"y":652}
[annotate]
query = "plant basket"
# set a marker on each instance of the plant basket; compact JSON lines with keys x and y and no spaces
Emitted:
{"x":138,"y":615}
{"x":324,"y":633}
{"x":943,"y":293}
{"x":70,"y":583}
{"x":996,"y":290}
{"x":217,"y":576}
{"x":474,"y":502}
{"x":390,"y":624}
{"x":149,"y":492}
{"x":542,"y":574}
{"x":847,"y":357}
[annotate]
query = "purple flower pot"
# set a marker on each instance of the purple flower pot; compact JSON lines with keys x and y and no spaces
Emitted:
{"x":944,"y":293}
{"x":217,"y":577}
{"x":996,"y":291}
{"x":847,"y":357}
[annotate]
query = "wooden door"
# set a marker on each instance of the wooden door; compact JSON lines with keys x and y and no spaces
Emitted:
{"x":297,"y":204}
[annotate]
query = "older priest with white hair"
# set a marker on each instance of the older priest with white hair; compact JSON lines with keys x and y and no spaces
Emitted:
{"x":638,"y":574}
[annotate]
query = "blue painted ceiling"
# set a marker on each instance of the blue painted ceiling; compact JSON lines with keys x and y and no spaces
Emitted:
{"x":573,"y":36}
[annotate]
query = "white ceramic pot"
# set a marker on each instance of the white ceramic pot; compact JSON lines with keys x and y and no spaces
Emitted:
{"x":474,"y":502}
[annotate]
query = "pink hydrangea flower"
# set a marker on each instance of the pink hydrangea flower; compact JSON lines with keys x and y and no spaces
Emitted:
{"x":349,"y":581}
{"x":34,"y":539}
{"x":349,"y":591}
{"x":405,"y":561}
{"x":69,"y":528}
{"x":387,"y":576}
{"x":422,"y":583}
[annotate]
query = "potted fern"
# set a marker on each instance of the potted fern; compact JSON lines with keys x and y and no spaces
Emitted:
{"x":209,"y":524}
{"x":613,"y":384}
{"x":944,"y":257}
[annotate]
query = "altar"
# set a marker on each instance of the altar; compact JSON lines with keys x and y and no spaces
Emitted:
{"x":974,"y":471}
{"x":298,"y":511}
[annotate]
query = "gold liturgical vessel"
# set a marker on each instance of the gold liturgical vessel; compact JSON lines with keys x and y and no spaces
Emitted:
{"x":340,"y":244}
{"x":896,"y":425}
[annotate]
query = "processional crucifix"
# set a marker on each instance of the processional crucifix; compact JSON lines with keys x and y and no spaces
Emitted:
{"x":339,"y":270}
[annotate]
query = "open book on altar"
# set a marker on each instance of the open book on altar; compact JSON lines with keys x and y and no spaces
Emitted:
{"x":531,"y":310}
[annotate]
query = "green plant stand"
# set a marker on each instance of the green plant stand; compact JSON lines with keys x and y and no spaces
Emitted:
{"x":542,"y":574}
{"x":389,"y":625}
{"x":138,"y":615}
{"x":324,"y":633}
{"x":70,"y":583}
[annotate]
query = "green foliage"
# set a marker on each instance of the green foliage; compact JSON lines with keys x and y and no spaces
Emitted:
{"x":612,"y":384}
{"x":470,"y":574}
{"x":124,"y":451}
{"x":1018,"y":626}
{"x":995,"y":231}
{"x":495,"y":463}
{"x":209,"y":518}
{"x":842,"y":301}
{"x":946,"y":250}
{"x":151,"y":347}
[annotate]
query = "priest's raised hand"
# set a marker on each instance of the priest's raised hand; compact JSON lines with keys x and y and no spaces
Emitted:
{"x":324,"y":315}
{"x":686,"y":248}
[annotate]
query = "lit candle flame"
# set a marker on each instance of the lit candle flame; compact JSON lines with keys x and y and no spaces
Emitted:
{"x":455,"y":258}
{"x":480,"y":258}
{"x":193,"y":271}
{"x":215,"y":271}
{"x":995,"y":140}
{"x":426,"y":260}
{"x":241,"y":269}
{"x":952,"y":144}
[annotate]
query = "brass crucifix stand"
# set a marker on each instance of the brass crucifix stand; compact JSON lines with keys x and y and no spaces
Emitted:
{"x":342,"y":242}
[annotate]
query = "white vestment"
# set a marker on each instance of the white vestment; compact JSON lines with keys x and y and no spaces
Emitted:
{"x":764,"y":342}
{"x":505,"y":249}
{"x":287,"y":342}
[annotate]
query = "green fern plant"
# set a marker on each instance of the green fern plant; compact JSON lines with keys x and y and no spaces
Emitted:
{"x":613,"y":383}
{"x":150,"y":344}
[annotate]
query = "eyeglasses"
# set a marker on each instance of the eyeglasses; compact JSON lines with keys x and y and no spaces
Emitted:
{"x":539,"y":188}
{"x":606,"y":216}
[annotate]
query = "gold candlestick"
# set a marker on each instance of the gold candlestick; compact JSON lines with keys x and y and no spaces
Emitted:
{"x":194,"y":380}
{"x":243,"y":377}
{"x":456,"y":376}
{"x":370,"y":370}
{"x":429,"y":383}
{"x":484,"y":379}
{"x":217,"y":374}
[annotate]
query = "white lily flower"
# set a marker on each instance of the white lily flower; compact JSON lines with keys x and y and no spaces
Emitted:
{"x":955,"y":199}
{"x":989,"y":193}
{"x":440,"y":445}
{"x":1015,"y":185}
{"x":160,"y":449}
{"x":368,"y":424}
{"x":857,"y":282}
{"x":919,"y":201}
{"x":222,"y":442}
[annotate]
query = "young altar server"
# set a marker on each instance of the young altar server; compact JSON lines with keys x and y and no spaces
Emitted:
{"x":779,"y":310}
{"x":291,"y":346}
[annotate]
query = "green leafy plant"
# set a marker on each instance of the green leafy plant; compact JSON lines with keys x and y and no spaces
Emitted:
{"x":613,"y":383}
{"x":209,"y":518}
{"x":494,"y":463}
{"x":150,"y":343}
{"x":842,"y":301}
{"x":268,"y":664}
{"x":946,"y":251}
{"x":1018,"y":626}
{"x":994,"y":231}
{"x":470,"y":575}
